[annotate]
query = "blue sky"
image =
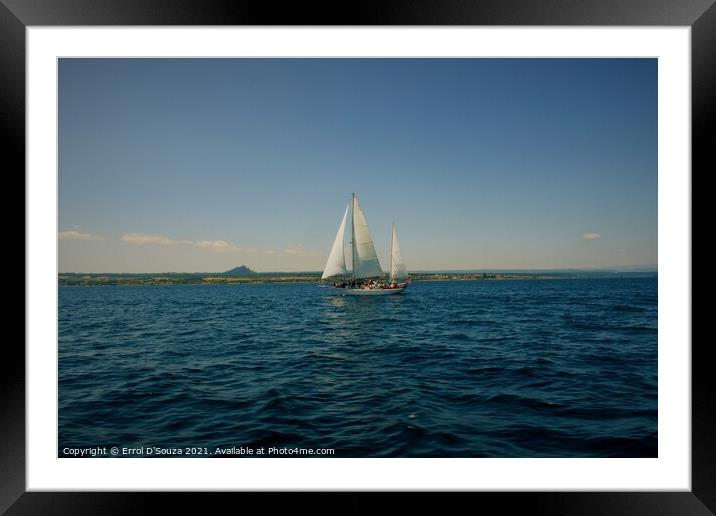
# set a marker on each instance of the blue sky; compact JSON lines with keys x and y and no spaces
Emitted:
{"x":205,"y":164}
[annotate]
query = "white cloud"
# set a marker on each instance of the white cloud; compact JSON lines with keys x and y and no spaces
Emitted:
{"x":77,"y":235}
{"x":144,"y":238}
{"x":298,"y":249}
{"x":591,"y":236}
{"x":219,"y":246}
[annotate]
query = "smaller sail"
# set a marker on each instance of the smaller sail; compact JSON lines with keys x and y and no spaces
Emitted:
{"x":398,"y":270}
{"x":336,"y":264}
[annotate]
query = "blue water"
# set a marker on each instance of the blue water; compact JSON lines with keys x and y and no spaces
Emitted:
{"x":547,"y":368}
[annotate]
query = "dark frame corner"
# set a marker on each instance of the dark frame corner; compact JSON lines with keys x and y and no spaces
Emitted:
{"x":16,"y":15}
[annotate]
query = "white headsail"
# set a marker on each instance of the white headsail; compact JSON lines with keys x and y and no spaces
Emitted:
{"x":365,"y":259}
{"x":336,"y":264}
{"x":398,"y":270}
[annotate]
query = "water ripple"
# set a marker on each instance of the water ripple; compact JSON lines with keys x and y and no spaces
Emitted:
{"x":563,"y":368}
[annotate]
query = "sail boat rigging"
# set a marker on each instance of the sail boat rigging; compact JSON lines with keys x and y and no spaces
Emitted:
{"x":365,"y":274}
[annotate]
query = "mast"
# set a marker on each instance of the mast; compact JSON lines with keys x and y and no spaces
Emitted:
{"x":353,"y":237}
{"x":392,"y":235}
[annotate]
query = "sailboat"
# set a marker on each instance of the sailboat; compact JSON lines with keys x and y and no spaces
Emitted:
{"x":365,"y":276}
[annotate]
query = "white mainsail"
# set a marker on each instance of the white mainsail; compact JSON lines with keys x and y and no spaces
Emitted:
{"x":398,"y":270}
{"x":336,"y":264}
{"x":365,"y":259}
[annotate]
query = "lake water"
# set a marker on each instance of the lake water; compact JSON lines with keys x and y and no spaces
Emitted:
{"x":544,"y":368}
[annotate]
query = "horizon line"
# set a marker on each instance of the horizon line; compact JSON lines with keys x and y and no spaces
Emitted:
{"x":623,"y":268}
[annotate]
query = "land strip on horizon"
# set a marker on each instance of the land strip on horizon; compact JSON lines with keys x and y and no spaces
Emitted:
{"x":203,"y":278}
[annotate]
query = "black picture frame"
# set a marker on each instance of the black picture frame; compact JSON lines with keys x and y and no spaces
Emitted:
{"x":17,"y":15}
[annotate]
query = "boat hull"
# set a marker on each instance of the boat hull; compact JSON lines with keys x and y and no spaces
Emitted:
{"x":369,"y":291}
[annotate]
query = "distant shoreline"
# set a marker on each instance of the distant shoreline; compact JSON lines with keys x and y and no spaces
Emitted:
{"x":77,"y":279}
